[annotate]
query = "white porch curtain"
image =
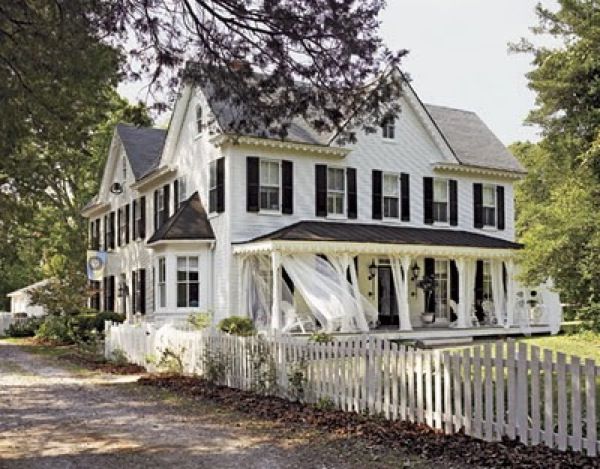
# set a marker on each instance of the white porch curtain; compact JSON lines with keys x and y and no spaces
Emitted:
{"x":468,"y":296}
{"x":400,"y":269}
{"x":498,"y":295}
{"x":327,"y":292}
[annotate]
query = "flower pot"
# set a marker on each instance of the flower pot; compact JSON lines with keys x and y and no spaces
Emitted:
{"x":427,"y":318}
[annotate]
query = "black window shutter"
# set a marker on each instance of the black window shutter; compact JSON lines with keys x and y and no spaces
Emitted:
{"x":428,"y":200}
{"x":405,"y":197}
{"x":106,"y":228}
{"x":352,"y":196}
{"x":479,"y":283}
{"x":220,"y":185}
{"x":134,"y":285}
{"x":175,"y":195}
{"x":453,"y":185}
{"x":454,"y":295}
{"x":127,"y":223}
{"x":104,"y":293}
{"x":500,"y":207}
{"x":142,"y":280}
{"x":113,"y":231}
{"x":252,"y":184}
{"x":167,"y":191}
{"x":156,"y":215}
{"x":376,"y":197}
{"x":429,"y":273}
{"x":321,"y":190}
{"x":287,"y":195}
{"x":134,"y":228}
{"x":288,"y":281}
{"x":477,"y":205}
{"x":111,"y":294}
{"x":142,"y":227}
{"x":119,"y":234}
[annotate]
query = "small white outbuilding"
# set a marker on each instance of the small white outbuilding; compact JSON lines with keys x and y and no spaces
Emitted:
{"x":20,"y":301}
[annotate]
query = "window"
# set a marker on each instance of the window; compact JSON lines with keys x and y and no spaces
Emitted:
{"x":269,"y":192}
{"x":440,"y":200}
{"x":110,"y":232}
{"x":441,"y":288}
{"x":181,"y":192}
{"x":388,"y":128}
{"x":162,"y":282}
{"x":487,"y":280}
{"x":139,"y":222}
{"x":160,"y":208}
{"x":122,"y":227}
{"x":391,"y":196}
{"x":199,"y":119}
{"x":187,"y":282}
{"x":489,"y":205}
{"x":336,"y":191}
{"x":212,"y":186}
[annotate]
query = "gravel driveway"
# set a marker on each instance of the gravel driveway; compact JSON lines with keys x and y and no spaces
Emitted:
{"x":55,"y":417}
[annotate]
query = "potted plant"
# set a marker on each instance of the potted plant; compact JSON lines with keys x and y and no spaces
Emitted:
{"x":427,"y":284}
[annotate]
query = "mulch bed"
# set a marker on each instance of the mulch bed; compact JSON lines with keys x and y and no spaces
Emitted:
{"x":418,"y":440}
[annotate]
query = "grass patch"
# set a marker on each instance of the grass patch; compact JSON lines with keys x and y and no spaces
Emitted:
{"x":584,"y":344}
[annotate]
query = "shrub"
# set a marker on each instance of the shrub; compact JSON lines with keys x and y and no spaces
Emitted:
{"x":590,"y":317}
{"x":55,"y":329}
{"x":200,"y":321}
{"x":24,"y":327}
{"x":237,"y":325}
{"x":320,"y":338}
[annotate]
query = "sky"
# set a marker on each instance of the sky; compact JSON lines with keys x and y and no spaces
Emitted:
{"x":459,"y":57}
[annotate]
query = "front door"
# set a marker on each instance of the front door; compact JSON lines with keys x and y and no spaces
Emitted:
{"x":386,"y":294}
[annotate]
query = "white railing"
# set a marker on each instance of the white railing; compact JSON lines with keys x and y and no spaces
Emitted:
{"x":489,"y":391}
{"x":6,"y":319}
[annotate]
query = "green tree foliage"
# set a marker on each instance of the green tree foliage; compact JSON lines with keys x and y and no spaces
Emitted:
{"x":558,"y":203}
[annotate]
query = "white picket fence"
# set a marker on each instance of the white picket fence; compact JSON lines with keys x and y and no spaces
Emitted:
{"x":488,"y":391}
{"x":6,"y":319}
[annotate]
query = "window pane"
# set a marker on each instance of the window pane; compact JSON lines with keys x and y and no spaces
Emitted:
{"x":181,"y":295}
{"x":489,"y":196}
{"x":440,"y":190}
{"x":440,"y":212}
{"x":162,"y":295}
{"x":335,"y":179}
{"x":390,"y":207}
{"x":390,"y":184}
{"x":213,"y":174}
{"x":193,"y":295}
{"x":193,"y":263}
{"x":489,"y":216}
{"x":181,"y":269}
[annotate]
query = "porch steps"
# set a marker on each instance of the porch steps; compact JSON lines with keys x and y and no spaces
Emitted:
{"x":444,"y":342}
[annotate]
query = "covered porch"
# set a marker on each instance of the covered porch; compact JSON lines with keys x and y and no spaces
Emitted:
{"x":397,"y":290}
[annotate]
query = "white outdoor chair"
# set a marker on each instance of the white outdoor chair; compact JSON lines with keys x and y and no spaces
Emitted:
{"x":295,"y":319}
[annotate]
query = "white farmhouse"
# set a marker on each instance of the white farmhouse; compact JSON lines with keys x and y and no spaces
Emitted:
{"x":409,"y":231}
{"x":20,"y":300}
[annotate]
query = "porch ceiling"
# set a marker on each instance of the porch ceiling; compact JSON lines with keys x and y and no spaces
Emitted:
{"x":315,"y":237}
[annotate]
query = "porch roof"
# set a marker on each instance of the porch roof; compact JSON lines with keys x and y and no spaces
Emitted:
{"x":312,"y":236}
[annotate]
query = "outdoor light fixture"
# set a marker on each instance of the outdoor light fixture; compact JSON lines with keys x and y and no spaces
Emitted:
{"x":116,"y":188}
{"x":123,"y":290}
{"x":372,"y":270}
{"x":415,"y":272}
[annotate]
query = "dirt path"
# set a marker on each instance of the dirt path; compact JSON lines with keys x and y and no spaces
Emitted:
{"x":53,"y":417}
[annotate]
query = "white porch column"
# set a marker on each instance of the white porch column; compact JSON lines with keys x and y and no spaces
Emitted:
{"x":276,"y":278}
{"x":463,"y":297}
{"x":510,"y":293}
{"x":361,"y":319}
{"x":405,"y":323}
{"x":242,"y":287}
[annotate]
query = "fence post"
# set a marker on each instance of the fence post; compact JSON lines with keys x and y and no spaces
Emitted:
{"x":468,"y":373}
{"x":548,"y":400}
{"x":535,"y":395}
{"x":590,"y":408}
{"x":489,"y":392}
{"x":561,"y":380}
{"x":576,"y":403}
{"x":499,"y":363}
{"x":477,"y":393}
{"x":511,"y":389}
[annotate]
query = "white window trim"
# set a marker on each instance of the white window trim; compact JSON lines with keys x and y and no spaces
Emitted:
{"x":344,"y":215}
{"x":176,"y":289}
{"x":443,"y":223}
{"x":198,"y":132}
{"x":495,"y":207}
{"x":387,"y":125}
{"x":161,"y":301}
{"x":399,"y":184}
{"x":264,"y":211}
{"x":182,"y":195}
{"x":448,"y":287}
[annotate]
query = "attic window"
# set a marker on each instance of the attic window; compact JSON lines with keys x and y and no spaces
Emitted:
{"x":124,"y":168}
{"x":199,"y":119}
{"x":388,"y":128}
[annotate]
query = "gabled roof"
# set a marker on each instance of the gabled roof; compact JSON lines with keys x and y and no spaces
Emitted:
{"x":28,"y":288}
{"x":189,"y":222}
{"x":382,"y":234}
{"x":472,"y":141}
{"x":143,"y":146}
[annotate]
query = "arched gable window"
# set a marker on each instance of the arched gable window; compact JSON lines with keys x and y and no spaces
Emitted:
{"x":199,"y":119}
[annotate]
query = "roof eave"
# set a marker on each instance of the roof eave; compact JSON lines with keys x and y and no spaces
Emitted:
{"x":481,"y":170}
{"x":162,"y":242}
{"x":153,"y":178}
{"x":95,"y":209}
{"x":232,"y":139}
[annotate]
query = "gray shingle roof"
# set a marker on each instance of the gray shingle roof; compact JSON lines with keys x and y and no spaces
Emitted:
{"x":143,"y":146}
{"x":371,"y":233}
{"x":472,"y":141}
{"x":189,"y":222}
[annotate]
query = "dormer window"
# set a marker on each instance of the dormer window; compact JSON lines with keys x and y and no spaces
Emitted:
{"x":124,"y":168}
{"x":440,"y":200}
{"x":388,"y":128}
{"x":199,"y":119}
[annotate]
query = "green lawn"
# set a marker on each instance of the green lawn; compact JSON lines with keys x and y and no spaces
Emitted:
{"x":584,"y":345}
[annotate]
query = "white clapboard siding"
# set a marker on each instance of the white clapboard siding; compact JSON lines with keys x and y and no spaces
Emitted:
{"x":489,"y":392}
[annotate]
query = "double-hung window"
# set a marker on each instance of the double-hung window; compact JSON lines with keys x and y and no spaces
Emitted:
{"x":160,"y":208}
{"x":336,"y":191}
{"x":487,"y":280}
{"x":198,"y":119}
{"x":212,"y":186}
{"x":181,"y":191}
{"x":440,"y":200}
{"x":187,"y":282}
{"x":162,"y":282}
{"x":391,"y":196}
{"x":489,"y":205}
{"x":122,"y":226}
{"x":270,"y":185}
{"x":124,"y":169}
{"x":388,"y":129}
{"x":442,"y":288}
